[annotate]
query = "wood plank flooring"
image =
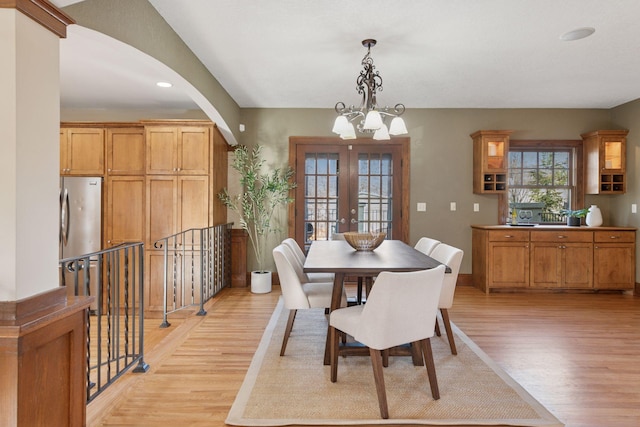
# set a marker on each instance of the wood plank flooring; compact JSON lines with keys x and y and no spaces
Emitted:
{"x":578,"y":354}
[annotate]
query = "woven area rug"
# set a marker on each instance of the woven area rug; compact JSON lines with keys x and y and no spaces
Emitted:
{"x":296,"y":389}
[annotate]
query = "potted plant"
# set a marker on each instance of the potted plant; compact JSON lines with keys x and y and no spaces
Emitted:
{"x":261,"y":194}
{"x":574,"y":216}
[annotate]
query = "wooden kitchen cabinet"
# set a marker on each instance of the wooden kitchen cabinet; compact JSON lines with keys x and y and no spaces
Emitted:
{"x":125,"y":151}
{"x":553,"y":257}
{"x":81,"y":151}
{"x":182,"y":150}
{"x":162,"y":177}
{"x":605,"y":161}
{"x":614,"y":259}
{"x":561,"y":259}
{"x":175,"y":204}
{"x":500,"y":258}
{"x":125,"y":212}
{"x":490,"y":161}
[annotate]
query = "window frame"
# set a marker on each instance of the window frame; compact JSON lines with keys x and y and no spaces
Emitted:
{"x":575,"y":146}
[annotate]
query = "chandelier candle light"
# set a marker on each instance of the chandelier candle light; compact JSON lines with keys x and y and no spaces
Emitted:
{"x":371,"y":116}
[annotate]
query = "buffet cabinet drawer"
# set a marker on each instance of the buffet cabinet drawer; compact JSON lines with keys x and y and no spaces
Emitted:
{"x":562,"y":236}
{"x":508,"y":236}
{"x":614,"y":236}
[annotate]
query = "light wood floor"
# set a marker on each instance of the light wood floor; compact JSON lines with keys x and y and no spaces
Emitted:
{"x":578,"y":354}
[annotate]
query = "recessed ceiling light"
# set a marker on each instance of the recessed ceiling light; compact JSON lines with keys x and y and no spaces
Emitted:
{"x":164,"y":84}
{"x":577,"y":34}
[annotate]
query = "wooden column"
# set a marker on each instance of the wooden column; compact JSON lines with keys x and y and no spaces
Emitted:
{"x":42,"y":334}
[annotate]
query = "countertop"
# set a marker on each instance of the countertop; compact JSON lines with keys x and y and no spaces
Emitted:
{"x":551,"y":227}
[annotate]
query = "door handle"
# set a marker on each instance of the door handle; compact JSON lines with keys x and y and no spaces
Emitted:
{"x":342,"y":221}
{"x":353,"y":221}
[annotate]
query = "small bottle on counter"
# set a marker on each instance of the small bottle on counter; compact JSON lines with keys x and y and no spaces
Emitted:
{"x":514,"y":217}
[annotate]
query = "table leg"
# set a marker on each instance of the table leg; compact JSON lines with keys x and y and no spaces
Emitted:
{"x":336,"y":299}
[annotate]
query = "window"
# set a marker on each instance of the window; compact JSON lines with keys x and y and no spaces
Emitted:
{"x":544,"y":178}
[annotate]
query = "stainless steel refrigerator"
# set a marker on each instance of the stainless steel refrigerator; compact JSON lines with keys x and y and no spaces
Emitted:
{"x":80,"y":227}
{"x":80,"y":216}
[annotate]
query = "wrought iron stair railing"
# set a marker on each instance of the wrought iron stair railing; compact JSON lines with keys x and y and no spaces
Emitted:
{"x":115,"y":320}
{"x":197,"y":265}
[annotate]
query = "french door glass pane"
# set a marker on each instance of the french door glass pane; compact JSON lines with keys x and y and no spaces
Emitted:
{"x":375,"y":198}
{"x":321,"y":195}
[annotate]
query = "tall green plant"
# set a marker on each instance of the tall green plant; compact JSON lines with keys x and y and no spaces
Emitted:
{"x":261,"y":194}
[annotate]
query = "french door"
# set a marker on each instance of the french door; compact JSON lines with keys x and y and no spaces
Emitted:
{"x":359,"y":185}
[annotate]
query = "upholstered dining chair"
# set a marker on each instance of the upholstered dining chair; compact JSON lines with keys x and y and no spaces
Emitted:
{"x":301,"y":258}
{"x":451,"y":257}
{"x":401,"y":309}
{"x":297,"y":293}
{"x":426,"y":245}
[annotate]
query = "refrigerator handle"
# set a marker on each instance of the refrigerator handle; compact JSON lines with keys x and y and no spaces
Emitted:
{"x":64,"y":217}
{"x":60,"y":223}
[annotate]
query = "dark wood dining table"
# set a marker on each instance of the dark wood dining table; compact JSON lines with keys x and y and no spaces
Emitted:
{"x":338,"y":257}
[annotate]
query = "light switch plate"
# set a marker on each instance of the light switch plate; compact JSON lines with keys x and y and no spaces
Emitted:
{"x":421,"y":207}
{"x":634,"y":208}
{"x":453,"y":206}
{"x":476,"y":207}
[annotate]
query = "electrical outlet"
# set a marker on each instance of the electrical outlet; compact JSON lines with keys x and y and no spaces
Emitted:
{"x":476,"y":207}
{"x":452,"y":206}
{"x":421,"y":207}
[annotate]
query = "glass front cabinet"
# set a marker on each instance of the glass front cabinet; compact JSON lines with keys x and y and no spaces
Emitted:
{"x":490,"y":156}
{"x":604,"y":161}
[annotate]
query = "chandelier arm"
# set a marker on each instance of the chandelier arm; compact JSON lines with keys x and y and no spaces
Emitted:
{"x":349,"y":112}
{"x":399,"y":109}
{"x":395,"y":111}
{"x":340,"y":107}
{"x":352,"y":115}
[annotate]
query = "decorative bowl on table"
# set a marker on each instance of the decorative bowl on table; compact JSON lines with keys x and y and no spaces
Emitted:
{"x":364,"y":241}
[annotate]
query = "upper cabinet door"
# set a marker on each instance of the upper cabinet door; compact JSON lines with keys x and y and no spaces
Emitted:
{"x":125,"y":151}
{"x":182,"y":150}
{"x":193,"y":150}
{"x":82,"y":151}
{"x":162,"y":150}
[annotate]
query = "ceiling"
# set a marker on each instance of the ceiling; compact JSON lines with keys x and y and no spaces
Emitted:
{"x":430,"y":53}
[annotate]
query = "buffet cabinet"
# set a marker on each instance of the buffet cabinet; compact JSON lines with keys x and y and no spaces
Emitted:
{"x":553,"y":257}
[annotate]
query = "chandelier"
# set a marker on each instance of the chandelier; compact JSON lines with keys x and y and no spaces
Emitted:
{"x":369,"y":117}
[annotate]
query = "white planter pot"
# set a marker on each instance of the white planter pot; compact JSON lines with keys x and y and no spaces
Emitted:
{"x":260,"y":282}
